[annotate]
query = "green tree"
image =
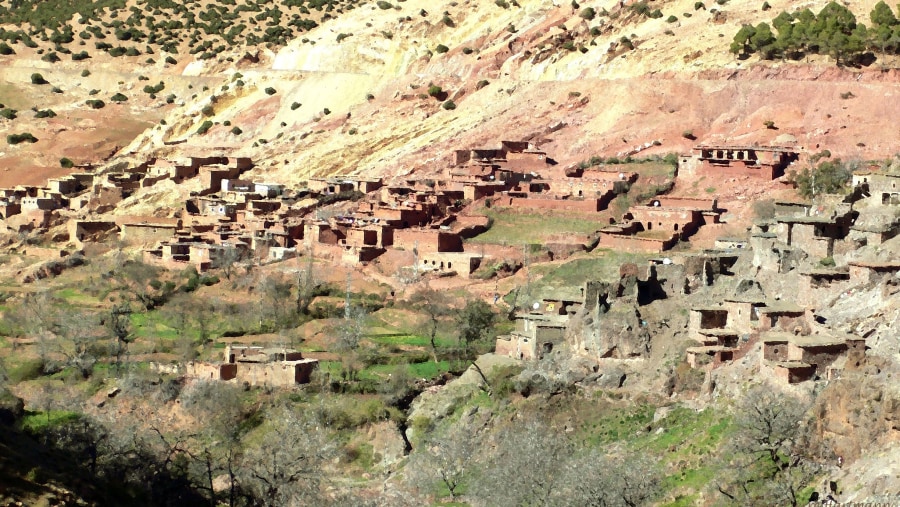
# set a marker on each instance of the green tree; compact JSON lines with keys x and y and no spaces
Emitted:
{"x":474,"y":322}
{"x":829,"y":177}
{"x":741,"y":42}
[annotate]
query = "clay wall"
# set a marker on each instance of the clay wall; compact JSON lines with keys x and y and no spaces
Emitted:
{"x":635,"y":244}
{"x":579,"y":205}
{"x":819,"y":355}
{"x":427,"y":240}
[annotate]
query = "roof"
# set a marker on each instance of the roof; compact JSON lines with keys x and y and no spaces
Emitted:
{"x":708,"y":349}
{"x":718,"y":332}
{"x":779,"y":149}
{"x":818,"y":340}
{"x":778,"y":306}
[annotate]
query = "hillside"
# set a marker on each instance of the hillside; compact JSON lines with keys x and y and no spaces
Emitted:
{"x":525,"y":277}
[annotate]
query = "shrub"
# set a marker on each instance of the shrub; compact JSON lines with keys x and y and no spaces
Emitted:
{"x":270,"y":91}
{"x":440,"y":49}
{"x":208,"y":110}
{"x":171,"y":61}
{"x":766,"y":6}
{"x":688,"y":134}
{"x":501,"y":3}
{"x":117,"y":51}
{"x":24,"y":137}
{"x":829,"y":177}
{"x":295,"y":106}
{"x":699,"y":5}
{"x":481,"y":84}
{"x":5,"y":49}
{"x":588,"y":13}
{"x":384,"y":5}
{"x":847,"y":95}
{"x":51,"y":57}
{"x":671,"y":19}
{"x":352,"y":131}
{"x":204,"y":127}
{"x":45,"y":113}
{"x":326,"y":111}
{"x":96,"y":104}
{"x":9,"y":114}
{"x":236,"y":131}
{"x":38,"y":79}
{"x":83,"y":55}
{"x":467,"y":51}
{"x":66,"y":163}
{"x":449,"y":105}
{"x":118,"y":98}
{"x":342,"y":36}
{"x":56,"y":89}
{"x":435,"y":90}
{"x":769,"y":124}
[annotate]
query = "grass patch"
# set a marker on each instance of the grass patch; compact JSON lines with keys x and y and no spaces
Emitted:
{"x":602,"y":264}
{"x":513,"y":227}
{"x":37,"y":422}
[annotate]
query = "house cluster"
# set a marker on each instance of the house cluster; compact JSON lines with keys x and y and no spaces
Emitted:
{"x":255,"y":366}
{"x":821,"y":246}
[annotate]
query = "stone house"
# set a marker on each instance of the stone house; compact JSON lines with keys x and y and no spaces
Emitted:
{"x":427,"y":240}
{"x":725,"y":161}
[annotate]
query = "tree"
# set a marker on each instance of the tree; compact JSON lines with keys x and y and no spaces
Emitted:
{"x":119,"y":324}
{"x":527,"y":467}
{"x":284,"y":466}
{"x":741,"y":42}
{"x":769,"y":452}
{"x":445,"y":457}
{"x":435,"y":306}
{"x":474,"y":322}
{"x":623,"y":480}
{"x":829,"y":177}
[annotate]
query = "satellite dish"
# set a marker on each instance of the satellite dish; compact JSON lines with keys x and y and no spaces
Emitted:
{"x":667,"y":261}
{"x":536,"y":306}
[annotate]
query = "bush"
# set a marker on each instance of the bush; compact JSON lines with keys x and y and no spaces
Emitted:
{"x":77,"y":57}
{"x":435,"y":90}
{"x":342,"y":36}
{"x":481,"y":84}
{"x":171,"y":61}
{"x":671,"y":19}
{"x":384,"y":5}
{"x":51,"y":57}
{"x":236,"y":131}
{"x":270,"y":91}
{"x":45,"y":113}
{"x":5,"y":49}
{"x":588,"y":13}
{"x":38,"y":79}
{"x":66,"y":163}
{"x":769,"y":124}
{"x":688,"y":134}
{"x":829,"y":177}
{"x":56,"y":89}
{"x":449,"y":105}
{"x":204,"y":127}
{"x":441,"y":49}
{"x":96,"y":104}
{"x":85,"y":73}
{"x":208,"y":110}
{"x":24,"y":137}
{"x":9,"y":114}
{"x":467,"y":50}
{"x":118,"y":98}
{"x":295,"y":106}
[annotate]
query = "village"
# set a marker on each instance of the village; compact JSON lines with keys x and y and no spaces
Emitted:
{"x":426,"y":223}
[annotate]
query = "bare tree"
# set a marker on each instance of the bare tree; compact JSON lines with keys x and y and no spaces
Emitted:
{"x":306,"y":285}
{"x":594,"y":479}
{"x":526,"y":469}
{"x":434,"y":305}
{"x":119,"y":324}
{"x":769,"y":452}
{"x":284,"y":467}
{"x":445,"y":458}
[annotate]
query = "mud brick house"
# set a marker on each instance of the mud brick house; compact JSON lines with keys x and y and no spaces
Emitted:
{"x":864,"y":272}
{"x":660,"y":224}
{"x":784,"y":316}
{"x":818,"y":236}
{"x":338,"y":184}
{"x":796,"y":358}
{"x":147,"y":229}
{"x":724,"y":161}
{"x":542,"y":327}
{"x":91,"y":230}
{"x":427,"y":240}
{"x":256,"y":366}
{"x":462,"y":263}
{"x":885,"y":187}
